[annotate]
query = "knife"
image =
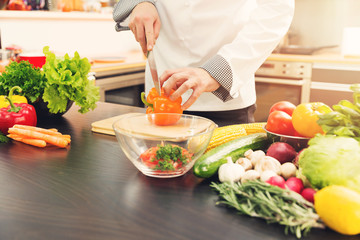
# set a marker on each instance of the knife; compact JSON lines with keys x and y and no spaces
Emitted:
{"x":153,"y":70}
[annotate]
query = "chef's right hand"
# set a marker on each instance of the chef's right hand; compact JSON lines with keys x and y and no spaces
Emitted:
{"x":145,"y":24}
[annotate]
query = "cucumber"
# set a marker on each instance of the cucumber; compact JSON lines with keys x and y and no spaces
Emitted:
{"x":208,"y":164}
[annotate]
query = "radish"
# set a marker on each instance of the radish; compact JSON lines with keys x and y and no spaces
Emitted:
{"x":295,"y":184}
{"x":282,"y":151}
{"x":308,"y":194}
{"x":277,"y":181}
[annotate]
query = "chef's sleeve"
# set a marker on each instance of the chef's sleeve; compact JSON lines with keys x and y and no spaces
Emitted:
{"x":239,"y":60}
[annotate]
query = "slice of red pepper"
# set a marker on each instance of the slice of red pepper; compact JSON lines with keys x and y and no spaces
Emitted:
{"x":162,"y":104}
{"x":16,"y":113}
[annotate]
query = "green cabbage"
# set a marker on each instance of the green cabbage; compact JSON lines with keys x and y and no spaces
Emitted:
{"x":331,"y":160}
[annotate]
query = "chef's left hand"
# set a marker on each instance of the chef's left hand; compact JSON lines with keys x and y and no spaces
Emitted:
{"x":184,"y":79}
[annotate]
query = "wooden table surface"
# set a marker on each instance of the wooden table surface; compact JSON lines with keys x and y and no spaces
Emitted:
{"x":92,"y":191}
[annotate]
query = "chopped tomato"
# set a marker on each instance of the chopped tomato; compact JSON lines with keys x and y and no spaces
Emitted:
{"x":166,"y":158}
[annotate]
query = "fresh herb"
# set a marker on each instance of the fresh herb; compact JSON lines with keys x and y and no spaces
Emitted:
{"x":345,"y":119}
{"x":165,"y":165}
{"x":31,"y":80}
{"x":169,"y":155}
{"x":274,"y":204}
{"x":170,"y":152}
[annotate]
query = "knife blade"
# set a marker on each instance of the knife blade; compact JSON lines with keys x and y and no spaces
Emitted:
{"x":153,"y":70}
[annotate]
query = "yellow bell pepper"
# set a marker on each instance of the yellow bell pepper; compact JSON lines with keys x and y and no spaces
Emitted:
{"x":14,"y":98}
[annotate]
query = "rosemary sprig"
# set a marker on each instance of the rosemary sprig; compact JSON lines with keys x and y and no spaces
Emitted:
{"x":274,"y":204}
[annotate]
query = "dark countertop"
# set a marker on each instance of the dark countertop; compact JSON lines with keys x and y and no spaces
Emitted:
{"x":92,"y":191}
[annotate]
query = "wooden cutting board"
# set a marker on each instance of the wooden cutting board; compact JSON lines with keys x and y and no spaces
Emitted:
{"x":104,"y":126}
{"x":140,"y":124}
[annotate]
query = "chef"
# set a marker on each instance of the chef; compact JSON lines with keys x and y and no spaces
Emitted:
{"x":208,"y":50}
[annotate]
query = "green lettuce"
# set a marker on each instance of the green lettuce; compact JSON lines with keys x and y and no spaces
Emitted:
{"x":331,"y":160}
{"x":67,"y":80}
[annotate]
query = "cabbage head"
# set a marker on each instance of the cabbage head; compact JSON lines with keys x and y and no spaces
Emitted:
{"x":331,"y":160}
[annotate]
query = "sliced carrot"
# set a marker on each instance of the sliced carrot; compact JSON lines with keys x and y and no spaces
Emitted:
{"x":37,"y":129}
{"x":52,"y":139}
{"x":30,"y":141}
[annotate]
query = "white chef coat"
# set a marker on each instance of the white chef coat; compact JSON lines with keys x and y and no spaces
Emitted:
{"x":242,"y":32}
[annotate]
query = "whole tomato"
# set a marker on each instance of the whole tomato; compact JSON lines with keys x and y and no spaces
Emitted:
{"x":305,"y":116}
{"x":281,"y":123}
{"x":284,"y":106}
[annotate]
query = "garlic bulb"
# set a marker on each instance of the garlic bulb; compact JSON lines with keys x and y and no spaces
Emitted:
{"x":230,"y":172}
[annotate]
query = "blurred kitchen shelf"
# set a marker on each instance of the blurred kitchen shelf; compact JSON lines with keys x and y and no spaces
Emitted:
{"x":51,"y":15}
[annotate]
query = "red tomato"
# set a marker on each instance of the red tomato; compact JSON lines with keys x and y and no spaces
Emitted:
{"x":281,"y":123}
{"x":284,"y":106}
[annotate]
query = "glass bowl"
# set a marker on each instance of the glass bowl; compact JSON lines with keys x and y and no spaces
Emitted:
{"x":297,"y":143}
{"x":141,"y":139}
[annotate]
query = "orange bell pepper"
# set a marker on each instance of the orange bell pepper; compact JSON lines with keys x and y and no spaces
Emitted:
{"x":162,"y":104}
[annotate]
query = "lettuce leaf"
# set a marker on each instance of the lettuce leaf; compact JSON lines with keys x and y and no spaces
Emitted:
{"x":68,"y":81}
{"x":331,"y":160}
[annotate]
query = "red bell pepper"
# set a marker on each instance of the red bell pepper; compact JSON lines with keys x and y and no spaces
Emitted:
{"x":16,"y":113}
{"x":162,"y":104}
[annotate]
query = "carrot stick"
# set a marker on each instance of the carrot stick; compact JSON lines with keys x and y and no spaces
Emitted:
{"x":30,"y":141}
{"x":37,"y":129}
{"x":52,"y":139}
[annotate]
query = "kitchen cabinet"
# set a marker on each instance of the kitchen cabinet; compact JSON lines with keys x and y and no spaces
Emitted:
{"x":331,"y":83}
{"x":121,"y":82}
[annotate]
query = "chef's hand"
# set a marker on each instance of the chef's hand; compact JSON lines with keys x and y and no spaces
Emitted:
{"x":145,"y":24}
{"x":184,"y":79}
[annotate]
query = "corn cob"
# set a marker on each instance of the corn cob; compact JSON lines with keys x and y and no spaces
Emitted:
{"x":251,"y":128}
{"x":227,"y":133}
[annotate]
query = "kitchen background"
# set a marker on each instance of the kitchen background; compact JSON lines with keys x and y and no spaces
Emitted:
{"x":87,"y":27}
{"x":316,"y":23}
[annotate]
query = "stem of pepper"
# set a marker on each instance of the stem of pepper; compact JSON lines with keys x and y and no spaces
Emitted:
{"x":143,"y":99}
{"x":13,"y":108}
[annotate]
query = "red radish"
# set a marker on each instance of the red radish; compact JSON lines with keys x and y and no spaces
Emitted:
{"x":308,"y":194}
{"x":277,"y":181}
{"x":295,"y":184}
{"x":282,"y":151}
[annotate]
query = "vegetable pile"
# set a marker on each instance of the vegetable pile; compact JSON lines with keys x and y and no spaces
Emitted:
{"x":257,"y":179}
{"x":62,"y":79}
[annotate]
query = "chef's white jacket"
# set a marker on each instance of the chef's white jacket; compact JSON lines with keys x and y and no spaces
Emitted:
{"x":230,"y":39}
